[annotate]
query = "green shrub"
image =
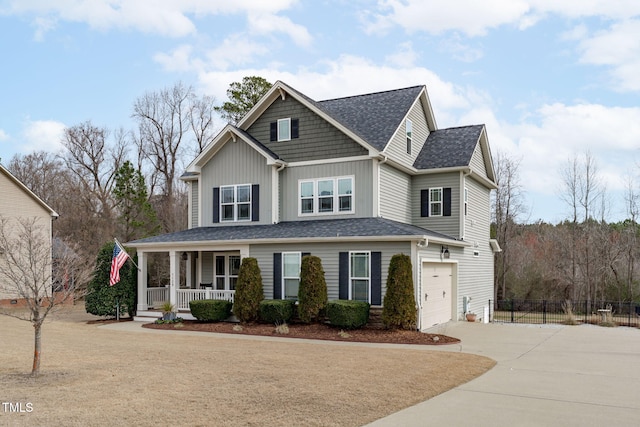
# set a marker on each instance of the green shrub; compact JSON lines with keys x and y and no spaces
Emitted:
{"x":399,"y":308}
{"x":102,"y":299}
{"x":210,"y":310}
{"x":246,"y":304}
{"x":348,"y":314}
{"x":276,"y":311}
{"x":312,"y":293}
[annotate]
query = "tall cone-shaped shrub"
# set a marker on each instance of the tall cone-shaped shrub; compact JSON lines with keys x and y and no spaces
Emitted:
{"x":249,"y":293}
{"x":312,"y":293}
{"x":399,"y":310}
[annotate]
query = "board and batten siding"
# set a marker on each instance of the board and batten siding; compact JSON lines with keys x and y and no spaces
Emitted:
{"x":475,"y":274}
{"x":397,"y":148}
{"x":236,"y":163}
{"x":361,"y":170}
{"x":395,"y":194}
{"x":329,"y":254}
{"x":318,"y":139}
{"x":449,"y":225}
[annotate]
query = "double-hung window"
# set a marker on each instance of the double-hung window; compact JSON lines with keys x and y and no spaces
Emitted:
{"x":235,"y":203}
{"x":291,"y":274}
{"x":435,"y":201}
{"x":326,"y":196}
{"x":360,"y":276}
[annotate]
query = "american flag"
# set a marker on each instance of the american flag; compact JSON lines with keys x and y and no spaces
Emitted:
{"x":120,"y":256}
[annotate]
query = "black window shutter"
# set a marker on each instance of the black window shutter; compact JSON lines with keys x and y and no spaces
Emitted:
{"x":343,"y":276}
{"x":216,"y":204}
{"x":376,"y":278}
{"x":424,"y":202}
{"x":446,"y":202}
{"x":255,"y":202}
{"x":273,"y":131}
{"x":294,"y":128}
{"x":304,"y":254}
{"x":277,"y":275}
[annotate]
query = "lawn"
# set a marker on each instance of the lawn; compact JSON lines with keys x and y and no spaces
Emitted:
{"x":96,"y":376}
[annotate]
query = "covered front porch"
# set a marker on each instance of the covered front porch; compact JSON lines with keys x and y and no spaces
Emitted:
{"x":193,"y":274}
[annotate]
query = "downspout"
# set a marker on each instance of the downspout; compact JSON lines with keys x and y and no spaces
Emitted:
{"x":418,"y":285}
{"x":463,"y":218}
{"x":275,"y":206}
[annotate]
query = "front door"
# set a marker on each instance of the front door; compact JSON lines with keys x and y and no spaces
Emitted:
{"x":226,"y":267}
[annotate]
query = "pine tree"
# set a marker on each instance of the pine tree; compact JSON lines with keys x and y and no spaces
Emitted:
{"x":312,"y":293}
{"x":399,"y":309}
{"x":249,"y":292}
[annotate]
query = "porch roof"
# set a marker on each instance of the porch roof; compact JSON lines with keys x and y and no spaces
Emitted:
{"x":351,"y":229}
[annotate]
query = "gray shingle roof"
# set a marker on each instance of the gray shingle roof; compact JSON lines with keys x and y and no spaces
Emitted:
{"x":375,"y":116}
{"x":328,"y":228}
{"x":451,"y":147}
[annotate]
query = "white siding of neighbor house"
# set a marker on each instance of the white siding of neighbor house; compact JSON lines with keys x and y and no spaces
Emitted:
{"x":361,"y":170}
{"x":397,"y":148}
{"x":395,"y":194}
{"x":329,"y":254}
{"x":236,"y":163}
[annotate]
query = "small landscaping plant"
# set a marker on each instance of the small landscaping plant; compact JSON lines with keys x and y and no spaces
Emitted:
{"x":249,"y":293}
{"x":312,"y":293}
{"x":399,"y":310}
{"x":276,"y":311}
{"x":168,"y":322}
{"x":210,"y":310}
{"x":348,"y":314}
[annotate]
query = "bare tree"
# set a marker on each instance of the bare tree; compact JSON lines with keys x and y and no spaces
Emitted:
{"x":29,"y":273}
{"x":201,"y":119}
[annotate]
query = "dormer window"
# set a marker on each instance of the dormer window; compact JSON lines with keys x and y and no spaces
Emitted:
{"x":284,"y":130}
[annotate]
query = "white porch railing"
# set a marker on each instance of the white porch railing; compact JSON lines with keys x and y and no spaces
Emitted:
{"x":187,"y":295}
{"x":156,"y":296}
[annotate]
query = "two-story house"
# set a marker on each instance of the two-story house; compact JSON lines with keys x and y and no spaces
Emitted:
{"x":19,"y":202}
{"x":351,"y":180}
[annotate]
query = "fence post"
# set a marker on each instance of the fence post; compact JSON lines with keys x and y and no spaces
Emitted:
{"x":512,"y":305}
{"x":586,"y":307}
{"x":544,"y":312}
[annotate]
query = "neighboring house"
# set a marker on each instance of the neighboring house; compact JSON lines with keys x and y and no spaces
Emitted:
{"x":353,"y":181}
{"x":17,"y":201}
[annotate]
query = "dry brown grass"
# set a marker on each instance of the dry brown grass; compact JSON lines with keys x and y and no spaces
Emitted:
{"x":93,"y":376}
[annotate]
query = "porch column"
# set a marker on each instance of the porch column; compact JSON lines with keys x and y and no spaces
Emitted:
{"x":188,"y":272}
{"x":142,"y":280}
{"x":174,"y":276}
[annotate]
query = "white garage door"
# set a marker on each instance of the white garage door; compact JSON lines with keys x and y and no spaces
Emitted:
{"x":437,"y":292}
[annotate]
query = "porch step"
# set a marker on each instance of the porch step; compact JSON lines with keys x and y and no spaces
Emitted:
{"x":375,"y":317}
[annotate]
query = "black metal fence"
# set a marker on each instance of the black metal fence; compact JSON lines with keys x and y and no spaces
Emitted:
{"x":607,"y":313}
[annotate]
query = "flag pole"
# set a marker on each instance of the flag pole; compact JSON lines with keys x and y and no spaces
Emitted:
{"x":128,"y":256}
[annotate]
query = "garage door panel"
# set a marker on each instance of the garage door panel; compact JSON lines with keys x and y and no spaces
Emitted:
{"x":437,"y":293}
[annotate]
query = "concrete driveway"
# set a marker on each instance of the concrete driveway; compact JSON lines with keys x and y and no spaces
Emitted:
{"x":547,"y":375}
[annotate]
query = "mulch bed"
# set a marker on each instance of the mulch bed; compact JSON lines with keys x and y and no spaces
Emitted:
{"x":313,"y":331}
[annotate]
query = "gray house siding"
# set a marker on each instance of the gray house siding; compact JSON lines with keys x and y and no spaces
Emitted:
{"x":395,"y":194}
{"x":329,"y":254}
{"x":361,"y":170}
{"x":449,"y":225}
{"x":397,"y":148}
{"x":318,"y":139}
{"x":476,"y":272}
{"x":236,"y":163}
{"x":194,"y":203}
{"x":477,"y":162}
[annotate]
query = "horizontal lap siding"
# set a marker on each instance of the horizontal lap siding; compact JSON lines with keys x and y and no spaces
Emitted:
{"x":449,"y":225}
{"x":329,"y":254}
{"x":362,"y":171}
{"x":476,"y":273}
{"x":318,"y":139}
{"x":236,"y":163}
{"x":395,"y":194}
{"x":397,"y":148}
{"x":194,"y":204}
{"x":477,"y":162}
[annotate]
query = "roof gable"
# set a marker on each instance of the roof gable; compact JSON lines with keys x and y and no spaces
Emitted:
{"x":27,"y":191}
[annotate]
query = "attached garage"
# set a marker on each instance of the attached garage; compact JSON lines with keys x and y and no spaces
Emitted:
{"x":437,"y":280}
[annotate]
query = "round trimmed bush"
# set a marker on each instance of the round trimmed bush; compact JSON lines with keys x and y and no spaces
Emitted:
{"x":399,"y":310}
{"x":246,"y":302}
{"x":210,"y":310}
{"x":348,"y":314}
{"x":277,"y":311}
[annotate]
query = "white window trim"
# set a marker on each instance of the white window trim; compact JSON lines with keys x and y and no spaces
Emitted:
{"x":235,"y":203}
{"x":408,"y":127}
{"x":336,"y":196}
{"x":299,"y":254}
{"x":351,"y":278}
{"x":288,"y":120}
{"x":440,"y":202}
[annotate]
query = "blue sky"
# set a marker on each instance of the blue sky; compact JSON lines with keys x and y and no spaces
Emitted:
{"x":549,"y":79}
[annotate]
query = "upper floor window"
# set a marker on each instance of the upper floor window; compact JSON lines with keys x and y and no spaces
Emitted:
{"x":326,"y":196}
{"x":284,"y":130}
{"x":235,"y":203}
{"x":409,"y":129}
{"x":435,"y":201}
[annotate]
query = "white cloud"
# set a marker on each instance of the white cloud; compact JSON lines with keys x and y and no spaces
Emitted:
{"x":3,"y":135}
{"x":268,"y":23}
{"x":42,"y":135}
